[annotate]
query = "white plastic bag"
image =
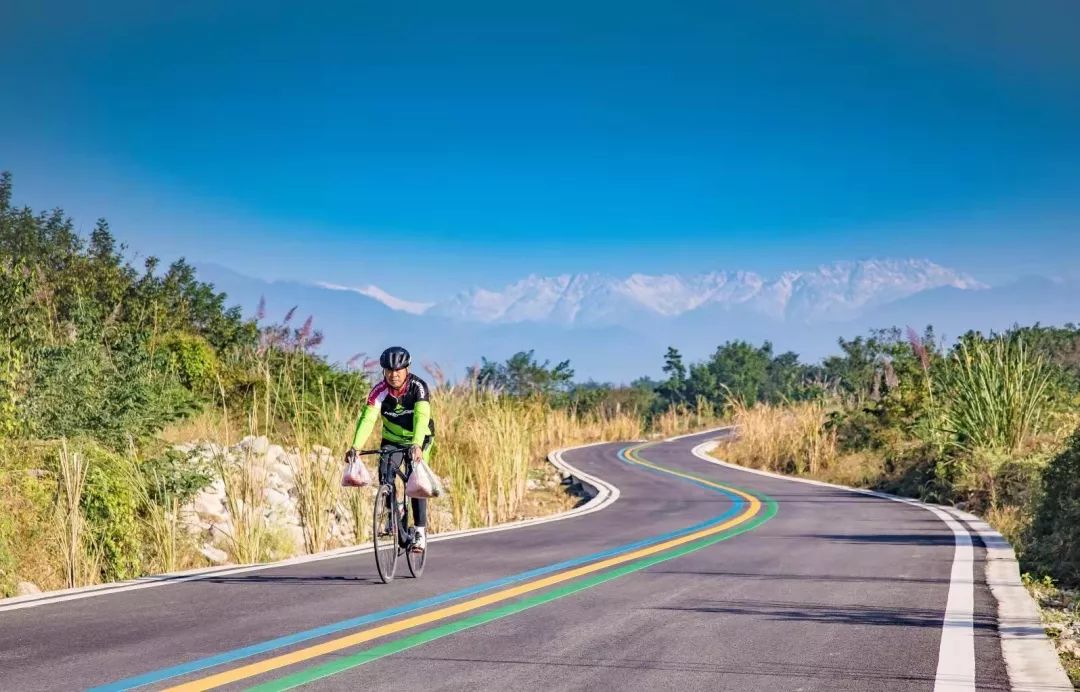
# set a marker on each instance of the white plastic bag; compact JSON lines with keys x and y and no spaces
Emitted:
{"x":356,"y":474}
{"x":422,"y":483}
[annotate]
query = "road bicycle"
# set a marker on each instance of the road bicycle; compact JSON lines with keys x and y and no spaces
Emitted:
{"x":390,"y":530}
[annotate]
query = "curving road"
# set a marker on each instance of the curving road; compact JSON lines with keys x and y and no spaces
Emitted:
{"x":698,"y":577}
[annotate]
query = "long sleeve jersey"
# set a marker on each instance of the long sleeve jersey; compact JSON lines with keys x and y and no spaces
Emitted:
{"x":406,"y":413}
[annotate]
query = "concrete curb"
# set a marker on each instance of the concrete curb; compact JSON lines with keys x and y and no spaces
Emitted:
{"x":1030,"y":657}
{"x":604,"y":494}
{"x":1031,"y":660}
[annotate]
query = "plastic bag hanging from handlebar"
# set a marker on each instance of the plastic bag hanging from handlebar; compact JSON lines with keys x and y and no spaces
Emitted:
{"x":356,"y":474}
{"x":422,"y":483}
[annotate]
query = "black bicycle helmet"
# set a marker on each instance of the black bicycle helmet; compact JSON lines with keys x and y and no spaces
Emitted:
{"x":395,"y":358}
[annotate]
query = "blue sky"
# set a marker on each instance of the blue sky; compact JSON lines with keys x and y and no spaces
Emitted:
{"x":427,"y":147}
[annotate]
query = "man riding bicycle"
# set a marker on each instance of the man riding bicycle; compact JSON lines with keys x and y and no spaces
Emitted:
{"x":402,"y":400}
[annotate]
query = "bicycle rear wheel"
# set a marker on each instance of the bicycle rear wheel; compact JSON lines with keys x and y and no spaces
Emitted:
{"x":416,"y":561}
{"x":384,"y":532}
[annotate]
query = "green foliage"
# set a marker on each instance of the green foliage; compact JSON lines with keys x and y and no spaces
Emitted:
{"x":174,"y":477}
{"x":998,"y":393}
{"x":1059,"y":345}
{"x":737,"y":373}
{"x":85,"y":390}
{"x":608,"y":400}
{"x":523,"y":375}
{"x":1055,"y":532}
{"x":89,"y":346}
{"x":110,"y":506}
{"x":26,"y":510}
{"x":674,"y":390}
{"x":191,"y":359}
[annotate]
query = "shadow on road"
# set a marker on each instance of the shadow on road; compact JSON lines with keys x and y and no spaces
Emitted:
{"x":781,"y":670}
{"x":831,"y":578}
{"x":888,"y":538}
{"x":828,"y":613}
{"x":285,"y":579}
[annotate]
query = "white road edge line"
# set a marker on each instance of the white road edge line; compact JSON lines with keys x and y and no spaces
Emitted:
{"x":1030,"y":659}
{"x":606,"y":494}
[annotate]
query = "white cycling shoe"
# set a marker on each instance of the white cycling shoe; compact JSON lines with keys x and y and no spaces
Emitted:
{"x":420,"y":540}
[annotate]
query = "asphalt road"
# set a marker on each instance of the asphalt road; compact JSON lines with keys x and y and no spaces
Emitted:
{"x":699,"y":577}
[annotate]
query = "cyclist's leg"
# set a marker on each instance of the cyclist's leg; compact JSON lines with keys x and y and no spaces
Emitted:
{"x":419,"y":510}
{"x":384,"y":461}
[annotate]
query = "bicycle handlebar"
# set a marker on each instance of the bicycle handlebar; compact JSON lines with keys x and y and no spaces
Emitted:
{"x":399,"y":448}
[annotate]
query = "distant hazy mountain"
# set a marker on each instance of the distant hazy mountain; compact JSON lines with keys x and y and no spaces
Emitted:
{"x":617,"y":328}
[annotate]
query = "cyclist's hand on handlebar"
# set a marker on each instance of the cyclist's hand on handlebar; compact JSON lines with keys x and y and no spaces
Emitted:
{"x":417,"y":453}
{"x":350,"y":456}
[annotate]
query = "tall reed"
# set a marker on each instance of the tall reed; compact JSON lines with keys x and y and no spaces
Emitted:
{"x":998,"y":394}
{"x":78,"y":567}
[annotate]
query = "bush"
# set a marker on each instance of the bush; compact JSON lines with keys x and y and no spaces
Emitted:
{"x":191,"y":359}
{"x":1055,"y":533}
{"x":110,"y":506}
{"x":27,"y":530}
{"x":999,"y":393}
{"x":86,"y":390}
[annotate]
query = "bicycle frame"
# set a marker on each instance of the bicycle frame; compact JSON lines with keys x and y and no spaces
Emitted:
{"x":394,"y":461}
{"x":389,"y":469}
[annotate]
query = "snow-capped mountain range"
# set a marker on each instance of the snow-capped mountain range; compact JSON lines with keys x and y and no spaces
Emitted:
{"x":616,"y":329}
{"x":834,"y":292}
{"x":392,"y":302}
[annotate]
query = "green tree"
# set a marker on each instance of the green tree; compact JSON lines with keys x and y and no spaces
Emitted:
{"x":522,"y":375}
{"x":737,"y":371}
{"x":673,"y":390}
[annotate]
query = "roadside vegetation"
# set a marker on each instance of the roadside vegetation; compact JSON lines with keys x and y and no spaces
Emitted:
{"x":146,"y":426}
{"x":988,"y":422}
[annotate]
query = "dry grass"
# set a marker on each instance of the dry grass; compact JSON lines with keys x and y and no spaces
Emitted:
{"x":487,"y":444}
{"x":679,"y":420}
{"x":783,"y":439}
{"x":206,"y":425}
{"x":80,"y":564}
{"x":1010,"y":521}
{"x":245,"y":486}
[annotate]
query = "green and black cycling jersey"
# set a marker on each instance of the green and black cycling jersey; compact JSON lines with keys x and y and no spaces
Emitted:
{"x":406,"y":414}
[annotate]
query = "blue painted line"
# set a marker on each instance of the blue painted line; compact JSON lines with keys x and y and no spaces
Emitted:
{"x":288,"y":640}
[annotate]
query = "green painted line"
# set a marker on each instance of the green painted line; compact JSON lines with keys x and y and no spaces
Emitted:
{"x":302,"y":677}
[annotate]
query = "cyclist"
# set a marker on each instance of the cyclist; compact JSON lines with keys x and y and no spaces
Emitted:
{"x":402,"y":399}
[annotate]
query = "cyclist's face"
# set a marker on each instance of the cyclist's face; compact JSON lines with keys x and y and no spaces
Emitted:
{"x":396,"y":378}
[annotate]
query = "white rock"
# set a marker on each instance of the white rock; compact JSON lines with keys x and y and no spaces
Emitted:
{"x":210,"y":504}
{"x":212,"y":450}
{"x":297,"y":535}
{"x":274,"y":453}
{"x":276,"y":497}
{"x":256,"y":445}
{"x":26,"y":588}
{"x":533,"y":484}
{"x":214,"y":554}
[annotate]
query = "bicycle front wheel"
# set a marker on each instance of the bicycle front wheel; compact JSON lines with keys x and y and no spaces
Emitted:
{"x":416,"y":561}
{"x":384,"y":531}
